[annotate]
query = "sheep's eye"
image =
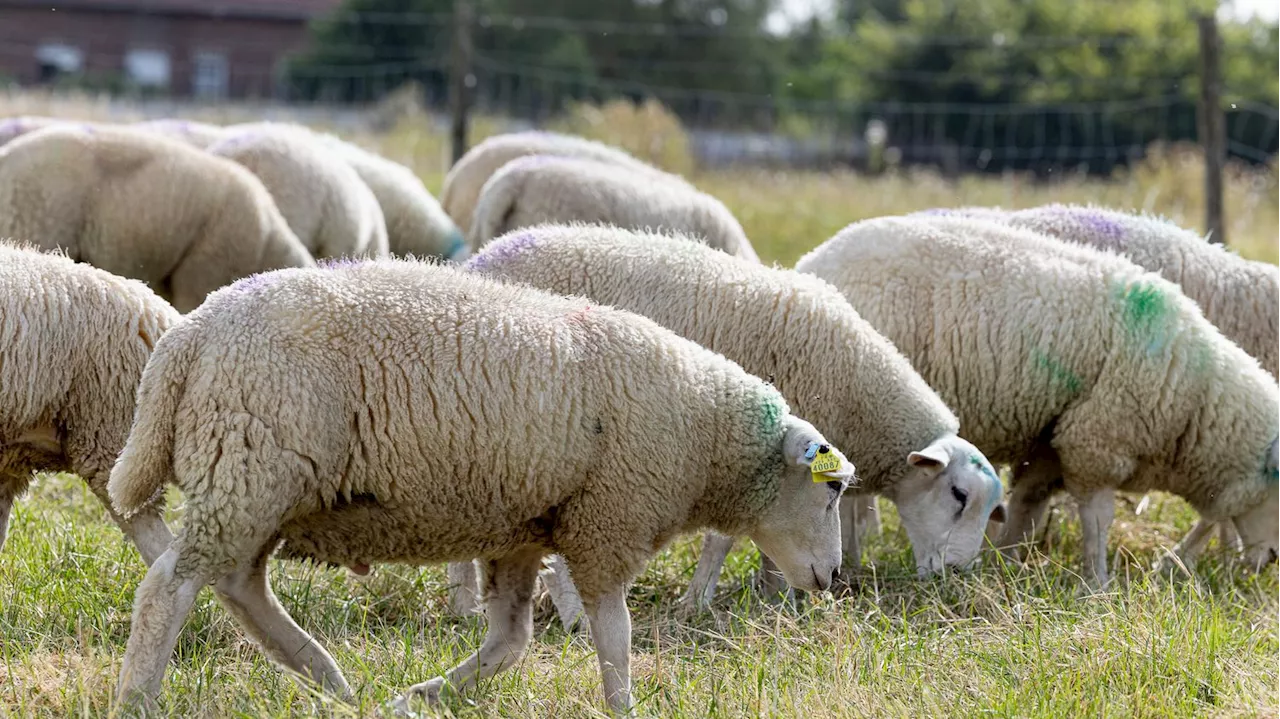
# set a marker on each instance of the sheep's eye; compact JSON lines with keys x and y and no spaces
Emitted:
{"x":960,"y":495}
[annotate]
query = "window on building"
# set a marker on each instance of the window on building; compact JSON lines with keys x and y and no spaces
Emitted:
{"x":147,"y":68}
{"x":209,"y":75}
{"x":55,"y":58}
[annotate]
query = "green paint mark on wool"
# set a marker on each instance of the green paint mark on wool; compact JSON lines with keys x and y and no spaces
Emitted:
{"x":1059,"y":375}
{"x":771,"y":411}
{"x":1147,"y":309}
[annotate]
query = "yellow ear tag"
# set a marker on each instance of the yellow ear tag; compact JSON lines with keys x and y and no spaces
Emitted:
{"x":824,"y":461}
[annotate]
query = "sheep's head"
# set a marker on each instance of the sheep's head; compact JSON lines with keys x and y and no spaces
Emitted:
{"x":945,"y":502}
{"x":800,"y":530}
{"x":1259,"y":527}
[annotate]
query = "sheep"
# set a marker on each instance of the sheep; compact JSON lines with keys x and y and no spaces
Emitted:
{"x":144,"y":207}
{"x":1071,"y":362}
{"x":544,"y":188}
{"x":399,"y":411}
{"x":323,"y":199}
{"x":73,"y":342}
{"x":466,"y":179}
{"x":197,"y":134}
{"x":416,"y":224}
{"x":797,"y":330}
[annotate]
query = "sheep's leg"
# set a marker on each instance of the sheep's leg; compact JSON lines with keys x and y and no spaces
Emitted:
{"x":611,"y":631}
{"x":464,"y":589}
{"x":702,"y":588}
{"x":1097,"y":511}
{"x":1228,"y":537}
{"x":247,"y":595}
{"x":563,"y":593}
{"x":1188,"y":550}
{"x":160,"y":607}
{"x":6,"y":507}
{"x":509,"y":585}
{"x":866,"y":515}
{"x":772,"y":584}
{"x":1034,"y":481}
{"x":148,"y":533}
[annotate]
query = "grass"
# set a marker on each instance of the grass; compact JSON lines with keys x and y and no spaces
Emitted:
{"x":1001,"y":641}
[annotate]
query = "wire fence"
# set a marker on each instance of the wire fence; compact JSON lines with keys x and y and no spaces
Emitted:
{"x":770,"y":128}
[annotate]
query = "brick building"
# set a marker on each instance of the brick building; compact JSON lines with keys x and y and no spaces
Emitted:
{"x":207,"y":49}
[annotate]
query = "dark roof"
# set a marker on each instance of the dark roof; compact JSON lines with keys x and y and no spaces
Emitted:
{"x":271,"y":9}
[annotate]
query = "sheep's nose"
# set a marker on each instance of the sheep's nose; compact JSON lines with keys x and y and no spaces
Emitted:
{"x":1271,"y":553}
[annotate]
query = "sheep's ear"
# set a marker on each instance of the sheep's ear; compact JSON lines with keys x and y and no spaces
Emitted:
{"x":805,"y":446}
{"x":935,"y":457}
{"x":998,"y":514}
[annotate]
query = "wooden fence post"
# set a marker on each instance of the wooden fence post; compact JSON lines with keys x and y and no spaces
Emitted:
{"x":1212,"y":128}
{"x":460,"y":78}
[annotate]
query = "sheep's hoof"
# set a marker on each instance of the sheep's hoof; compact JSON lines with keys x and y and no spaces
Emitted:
{"x":428,"y":692}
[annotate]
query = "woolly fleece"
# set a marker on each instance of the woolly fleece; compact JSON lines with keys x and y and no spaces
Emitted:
{"x":145,"y":207}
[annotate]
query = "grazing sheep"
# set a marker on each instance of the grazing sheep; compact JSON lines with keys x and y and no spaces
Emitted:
{"x":416,"y":224}
{"x":330,"y":209}
{"x":404,"y":412}
{"x":196,"y":134}
{"x":73,"y":342}
{"x":544,"y":188}
{"x":466,"y":179}
{"x":144,"y":207}
{"x":1067,"y":361}
{"x":799,"y":332}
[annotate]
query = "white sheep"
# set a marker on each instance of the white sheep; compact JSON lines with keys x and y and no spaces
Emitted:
{"x":331,"y":210}
{"x":798,"y":331}
{"x":416,"y":224}
{"x":144,"y":207}
{"x":549,"y":189}
{"x":196,"y":134}
{"x":466,"y":179}
{"x":400,"y":411}
{"x":73,"y":342}
{"x":1070,"y":362}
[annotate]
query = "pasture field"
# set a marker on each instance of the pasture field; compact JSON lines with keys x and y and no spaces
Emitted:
{"x":1003,"y":640}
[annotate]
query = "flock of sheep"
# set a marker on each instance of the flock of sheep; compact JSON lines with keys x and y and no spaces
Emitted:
{"x":585,"y":360}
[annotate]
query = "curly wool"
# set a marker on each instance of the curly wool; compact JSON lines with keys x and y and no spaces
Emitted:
{"x":145,"y":207}
{"x":328,"y":206}
{"x":466,"y":179}
{"x":1023,"y":334}
{"x":73,"y":343}
{"x":1240,"y":297}
{"x":399,"y":411}
{"x":547,"y":189}
{"x":794,"y":329}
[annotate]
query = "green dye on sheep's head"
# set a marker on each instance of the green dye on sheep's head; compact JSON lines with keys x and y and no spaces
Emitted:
{"x":1059,"y":376}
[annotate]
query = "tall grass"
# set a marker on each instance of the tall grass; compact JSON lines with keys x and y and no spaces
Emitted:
{"x":1002,"y":641}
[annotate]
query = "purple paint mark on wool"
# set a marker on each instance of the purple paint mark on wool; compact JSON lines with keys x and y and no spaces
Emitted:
{"x":500,"y":250}
{"x":254,"y":282}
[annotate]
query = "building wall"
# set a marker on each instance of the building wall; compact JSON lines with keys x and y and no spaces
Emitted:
{"x":252,"y":47}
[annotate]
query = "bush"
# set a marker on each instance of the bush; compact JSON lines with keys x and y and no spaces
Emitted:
{"x":649,"y":131}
